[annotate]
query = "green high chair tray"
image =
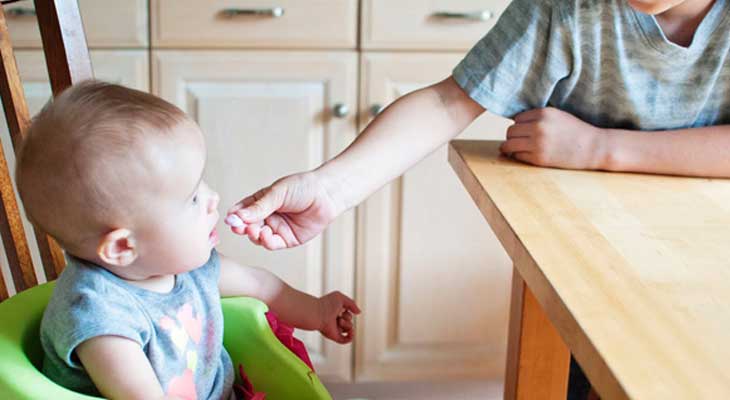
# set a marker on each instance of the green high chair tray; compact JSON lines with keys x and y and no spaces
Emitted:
{"x":270,"y":366}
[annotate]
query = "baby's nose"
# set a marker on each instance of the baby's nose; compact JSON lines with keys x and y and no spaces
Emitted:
{"x":213,"y":203}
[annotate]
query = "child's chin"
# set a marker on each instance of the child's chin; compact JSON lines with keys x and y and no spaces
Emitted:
{"x":651,"y":9}
{"x":198,"y":262}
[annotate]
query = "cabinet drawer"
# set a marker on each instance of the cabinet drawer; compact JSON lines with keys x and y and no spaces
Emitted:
{"x":427,"y":25}
{"x":107,"y":23}
{"x":254,"y":23}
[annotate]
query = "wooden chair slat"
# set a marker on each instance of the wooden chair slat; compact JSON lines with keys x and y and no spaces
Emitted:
{"x":68,"y":62}
{"x":18,"y":119}
{"x":11,"y":225}
{"x":64,"y":43}
{"x":51,"y":255}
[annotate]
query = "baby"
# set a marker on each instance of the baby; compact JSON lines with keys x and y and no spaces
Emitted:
{"x":116,"y":177}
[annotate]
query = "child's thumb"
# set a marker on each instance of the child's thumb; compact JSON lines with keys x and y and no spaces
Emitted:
{"x":260,"y":209}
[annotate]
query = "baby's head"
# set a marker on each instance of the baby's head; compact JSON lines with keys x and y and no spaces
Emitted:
{"x":115,"y":176}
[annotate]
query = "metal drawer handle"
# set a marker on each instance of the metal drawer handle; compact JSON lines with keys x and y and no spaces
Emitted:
{"x":20,"y":12}
{"x":273,"y":12}
{"x":340,"y":110}
{"x":470,"y":16}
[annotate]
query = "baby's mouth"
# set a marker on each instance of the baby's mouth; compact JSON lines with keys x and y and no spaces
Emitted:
{"x":213,"y":237}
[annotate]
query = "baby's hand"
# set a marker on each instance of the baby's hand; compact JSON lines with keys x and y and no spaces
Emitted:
{"x":336,"y":311}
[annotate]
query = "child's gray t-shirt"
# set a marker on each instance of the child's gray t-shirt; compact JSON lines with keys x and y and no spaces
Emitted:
{"x":181,"y":332}
{"x":603,"y":62}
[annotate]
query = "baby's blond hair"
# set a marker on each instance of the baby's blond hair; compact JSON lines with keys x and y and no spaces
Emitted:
{"x":83,"y":157}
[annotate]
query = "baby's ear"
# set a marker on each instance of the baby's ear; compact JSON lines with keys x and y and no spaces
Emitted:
{"x":117,"y":248}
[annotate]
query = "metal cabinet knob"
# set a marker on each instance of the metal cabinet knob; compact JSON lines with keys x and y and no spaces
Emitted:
{"x":340,"y":110}
{"x":376,"y":109}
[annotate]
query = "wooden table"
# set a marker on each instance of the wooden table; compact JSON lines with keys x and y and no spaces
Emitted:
{"x":629,"y":272}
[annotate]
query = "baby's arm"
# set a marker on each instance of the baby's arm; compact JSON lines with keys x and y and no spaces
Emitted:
{"x":119,"y":368}
{"x":330,"y":314}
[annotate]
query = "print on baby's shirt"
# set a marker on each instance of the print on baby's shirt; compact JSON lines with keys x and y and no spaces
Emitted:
{"x":184,"y":329}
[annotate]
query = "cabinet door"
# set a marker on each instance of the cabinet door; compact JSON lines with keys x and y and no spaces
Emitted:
{"x":433,"y":281}
{"x":265,"y":115}
{"x":126,"y":67}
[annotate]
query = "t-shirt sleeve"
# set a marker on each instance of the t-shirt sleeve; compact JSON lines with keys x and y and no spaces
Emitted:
{"x":88,"y":311}
{"x":517,"y":65}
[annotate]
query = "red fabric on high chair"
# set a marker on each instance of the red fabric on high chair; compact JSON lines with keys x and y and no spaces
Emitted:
{"x":285,"y":334}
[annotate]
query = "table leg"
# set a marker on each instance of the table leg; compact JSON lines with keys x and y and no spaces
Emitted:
{"x":538,"y":362}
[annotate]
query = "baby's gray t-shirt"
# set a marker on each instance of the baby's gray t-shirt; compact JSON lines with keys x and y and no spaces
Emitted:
{"x":181,"y":332}
{"x":603,"y":62}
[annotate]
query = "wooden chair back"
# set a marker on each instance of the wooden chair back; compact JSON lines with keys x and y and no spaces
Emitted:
{"x":67,"y":59}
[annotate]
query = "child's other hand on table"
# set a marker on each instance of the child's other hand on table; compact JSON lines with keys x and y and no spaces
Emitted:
{"x":549,"y":137}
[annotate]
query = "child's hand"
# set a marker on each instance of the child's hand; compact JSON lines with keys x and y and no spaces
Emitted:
{"x":336,"y":311}
{"x":549,"y":137}
{"x":290,"y":212}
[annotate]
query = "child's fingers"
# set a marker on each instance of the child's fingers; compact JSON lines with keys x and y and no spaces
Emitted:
{"x":265,"y":202}
{"x":530,"y":115}
{"x":526,"y":129}
{"x":345,"y":324}
{"x":346,"y":314}
{"x":234,"y":221}
{"x":271,"y":241}
{"x":344,"y":337}
{"x":239,"y":231}
{"x":254,"y":232}
{"x":248,"y":209}
{"x":336,"y":334}
{"x":281,"y":227}
{"x":245,"y":202}
{"x":349,"y":334}
{"x":236,"y":224}
{"x":249,"y":200}
{"x":350,"y":305}
{"x":516,"y":145}
{"x":526,"y":157}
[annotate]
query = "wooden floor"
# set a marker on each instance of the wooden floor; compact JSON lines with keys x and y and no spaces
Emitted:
{"x":466,"y":390}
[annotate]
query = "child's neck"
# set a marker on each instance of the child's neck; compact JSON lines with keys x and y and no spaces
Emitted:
{"x":159,"y":284}
{"x":131,"y":275}
{"x":136,"y":274}
{"x":680,"y":22}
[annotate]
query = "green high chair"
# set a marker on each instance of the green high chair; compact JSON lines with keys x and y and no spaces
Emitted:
{"x":270,"y":366}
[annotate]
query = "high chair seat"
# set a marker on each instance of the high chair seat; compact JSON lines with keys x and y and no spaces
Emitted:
{"x":271,"y":367}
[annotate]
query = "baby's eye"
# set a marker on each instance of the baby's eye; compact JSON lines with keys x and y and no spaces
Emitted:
{"x":195,"y":199}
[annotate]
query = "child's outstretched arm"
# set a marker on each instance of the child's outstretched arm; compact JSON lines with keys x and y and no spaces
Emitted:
{"x":553,"y":138}
{"x":120,"y":369}
{"x":405,"y":132}
{"x":330,"y":314}
{"x":297,"y":208}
